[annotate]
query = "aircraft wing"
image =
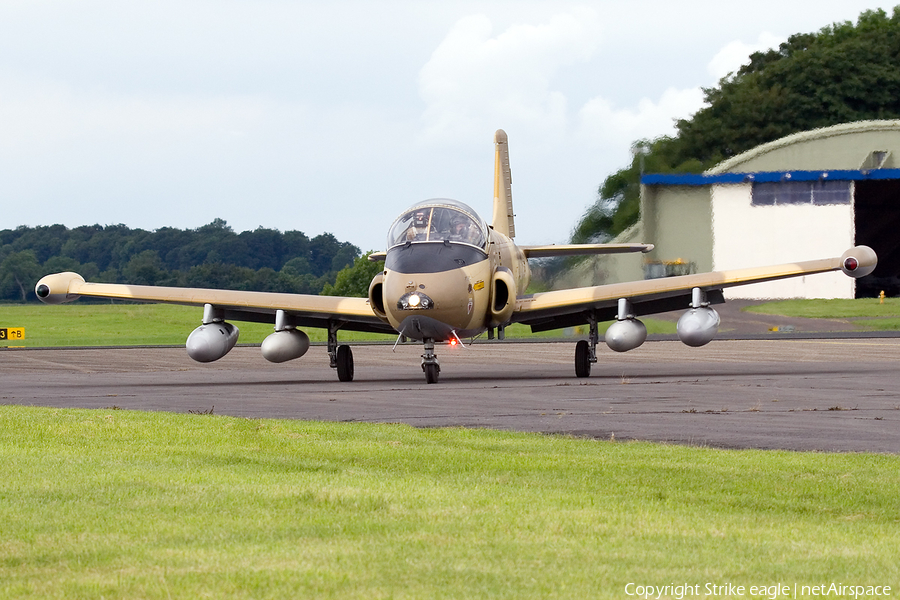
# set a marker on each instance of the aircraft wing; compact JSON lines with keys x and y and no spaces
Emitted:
{"x":567,"y":308}
{"x":582,"y":249}
{"x":307,"y":310}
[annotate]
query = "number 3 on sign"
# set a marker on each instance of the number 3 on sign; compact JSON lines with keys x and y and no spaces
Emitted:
{"x":12,"y":333}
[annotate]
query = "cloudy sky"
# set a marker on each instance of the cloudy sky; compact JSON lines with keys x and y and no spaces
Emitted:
{"x":335,"y":116}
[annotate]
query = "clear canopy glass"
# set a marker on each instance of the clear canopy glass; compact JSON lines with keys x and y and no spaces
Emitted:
{"x":439,"y":220}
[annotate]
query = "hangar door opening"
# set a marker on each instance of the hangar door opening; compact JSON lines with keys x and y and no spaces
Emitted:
{"x":877,"y":216}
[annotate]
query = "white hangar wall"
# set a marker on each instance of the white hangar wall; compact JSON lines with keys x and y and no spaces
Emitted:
{"x":749,"y":236}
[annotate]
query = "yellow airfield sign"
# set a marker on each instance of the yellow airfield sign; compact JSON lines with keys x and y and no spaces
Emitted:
{"x":11,"y":334}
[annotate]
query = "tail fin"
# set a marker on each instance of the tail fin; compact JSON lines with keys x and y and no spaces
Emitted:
{"x":503,"y":221}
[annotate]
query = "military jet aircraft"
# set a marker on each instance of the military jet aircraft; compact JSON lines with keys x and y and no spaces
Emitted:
{"x":450,"y":275}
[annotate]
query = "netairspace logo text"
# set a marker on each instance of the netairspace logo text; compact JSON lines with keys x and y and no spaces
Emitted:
{"x":774,"y":591}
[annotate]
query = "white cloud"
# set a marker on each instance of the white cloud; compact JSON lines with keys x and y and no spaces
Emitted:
{"x":152,"y":160}
{"x":603,"y":124}
{"x":37,"y":116}
{"x":737,"y":53}
{"x":475,"y":82}
{"x":332,"y":116}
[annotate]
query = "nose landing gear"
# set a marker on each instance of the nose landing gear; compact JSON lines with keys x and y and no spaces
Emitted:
{"x":430,"y":362}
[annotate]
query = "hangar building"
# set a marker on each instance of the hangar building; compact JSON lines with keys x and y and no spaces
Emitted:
{"x":806,"y":196}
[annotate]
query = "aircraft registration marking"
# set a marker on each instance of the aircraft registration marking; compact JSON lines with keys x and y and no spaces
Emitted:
{"x":12,"y":333}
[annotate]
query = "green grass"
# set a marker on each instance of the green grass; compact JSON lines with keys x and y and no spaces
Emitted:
{"x":126,"y":325}
{"x":865,"y":313}
{"x":163,"y":324}
{"x":831,"y":309}
{"x":121,"y":504}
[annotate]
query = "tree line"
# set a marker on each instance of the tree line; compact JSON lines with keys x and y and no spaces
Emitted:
{"x":843,"y":73}
{"x":212,"y":256}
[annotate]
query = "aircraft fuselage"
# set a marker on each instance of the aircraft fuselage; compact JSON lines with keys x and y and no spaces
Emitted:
{"x":440,"y":285}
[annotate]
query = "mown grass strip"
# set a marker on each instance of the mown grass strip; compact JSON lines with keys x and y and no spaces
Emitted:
{"x":121,"y":504}
{"x":831,"y":308}
{"x":125,"y":325}
{"x":164,"y":324}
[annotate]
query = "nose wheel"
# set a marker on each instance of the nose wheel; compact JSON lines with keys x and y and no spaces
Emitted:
{"x":430,"y":363}
{"x":431,"y":372}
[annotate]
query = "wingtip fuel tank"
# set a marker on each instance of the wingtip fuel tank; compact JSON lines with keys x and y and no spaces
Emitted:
{"x":859,"y":261}
{"x":58,"y":288}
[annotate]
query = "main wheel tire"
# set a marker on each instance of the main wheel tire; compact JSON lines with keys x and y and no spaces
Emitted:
{"x":431,"y":372}
{"x":582,"y":359}
{"x":344,"y":361}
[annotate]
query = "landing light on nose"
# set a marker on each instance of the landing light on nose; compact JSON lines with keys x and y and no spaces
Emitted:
{"x":414,"y":301}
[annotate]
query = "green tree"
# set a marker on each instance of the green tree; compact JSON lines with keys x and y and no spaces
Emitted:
{"x":19,"y":272}
{"x":354,"y":280}
{"x":58,"y":264}
{"x":145,"y":269}
{"x":210,"y":256}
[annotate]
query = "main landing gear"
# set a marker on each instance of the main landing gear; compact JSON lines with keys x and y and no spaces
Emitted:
{"x":340,"y":357}
{"x":430,"y":362}
{"x":586,"y":350}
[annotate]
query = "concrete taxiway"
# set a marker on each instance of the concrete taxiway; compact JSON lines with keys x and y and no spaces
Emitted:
{"x":798,"y":394}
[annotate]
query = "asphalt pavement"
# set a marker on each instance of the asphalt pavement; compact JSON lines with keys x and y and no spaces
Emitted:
{"x":836,"y":394}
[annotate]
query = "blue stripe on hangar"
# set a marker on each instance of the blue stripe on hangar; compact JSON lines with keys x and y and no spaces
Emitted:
{"x":699,"y":179}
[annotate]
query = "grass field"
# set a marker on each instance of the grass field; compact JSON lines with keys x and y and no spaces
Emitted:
{"x":121,"y":504}
{"x":865,"y":313}
{"x":163,"y":324}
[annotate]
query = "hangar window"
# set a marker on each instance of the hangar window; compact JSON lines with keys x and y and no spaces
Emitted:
{"x":831,"y":192}
{"x":779,"y":193}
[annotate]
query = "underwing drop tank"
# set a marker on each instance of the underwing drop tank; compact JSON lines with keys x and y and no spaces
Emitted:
{"x":698,"y":326}
{"x":285,"y":345}
{"x":211,"y":341}
{"x":626,"y":335}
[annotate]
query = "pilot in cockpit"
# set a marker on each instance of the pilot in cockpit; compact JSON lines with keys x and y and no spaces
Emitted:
{"x":418,"y":227}
{"x":459,"y":229}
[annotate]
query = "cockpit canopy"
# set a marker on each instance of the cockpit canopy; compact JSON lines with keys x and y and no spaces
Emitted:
{"x":438,"y":220}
